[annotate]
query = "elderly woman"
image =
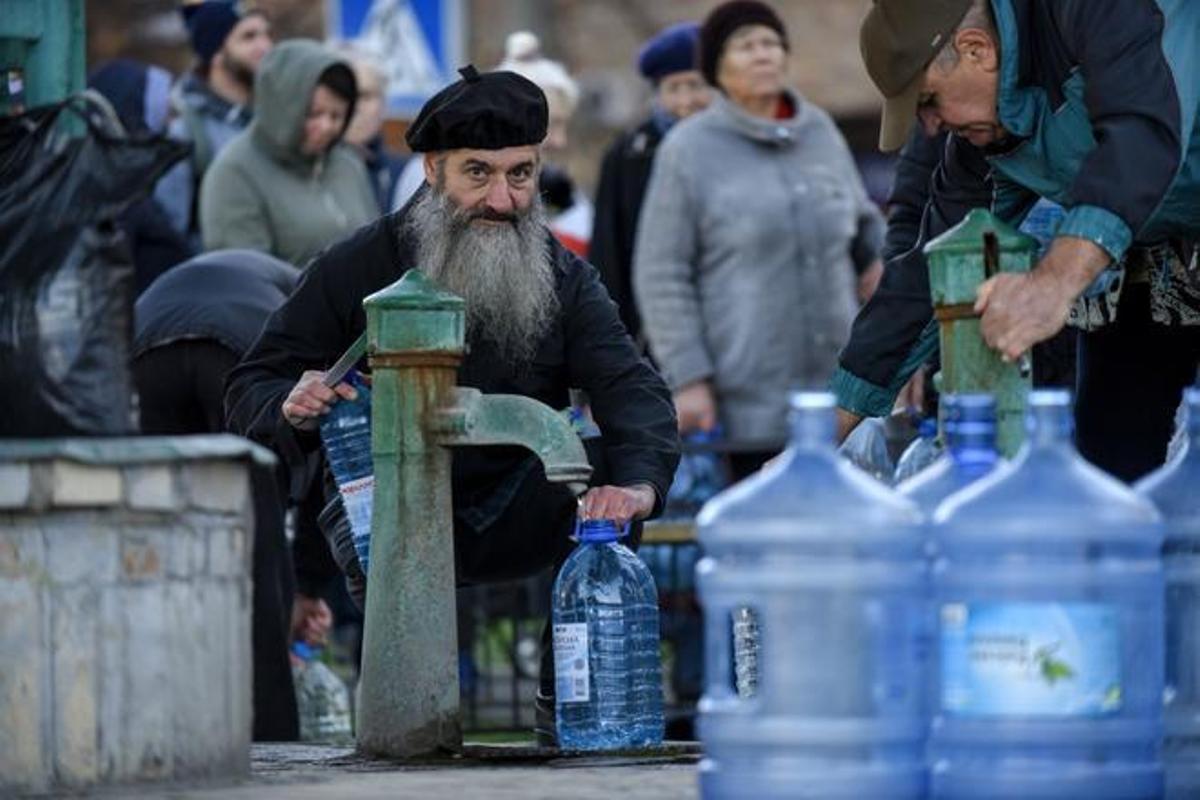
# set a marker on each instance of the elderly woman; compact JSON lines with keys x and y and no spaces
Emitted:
{"x":288,"y":185}
{"x":756,"y":242}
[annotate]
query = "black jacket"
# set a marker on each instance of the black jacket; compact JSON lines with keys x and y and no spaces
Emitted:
{"x":624,"y":174}
{"x":587,"y":348}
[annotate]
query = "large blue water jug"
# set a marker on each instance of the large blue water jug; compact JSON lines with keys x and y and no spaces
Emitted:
{"x":1175,"y":490}
{"x":607,"y":669}
{"x":831,"y":563}
{"x":1047,"y":593}
{"x":970,"y":425}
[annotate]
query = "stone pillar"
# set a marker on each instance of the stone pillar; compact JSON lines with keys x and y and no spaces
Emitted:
{"x":124,"y":610}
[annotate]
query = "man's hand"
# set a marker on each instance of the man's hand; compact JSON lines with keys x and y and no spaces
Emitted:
{"x":696,"y":407}
{"x":1020,"y":310}
{"x":309,"y":399}
{"x":311,"y":620}
{"x":618,"y":503}
{"x":868,"y":281}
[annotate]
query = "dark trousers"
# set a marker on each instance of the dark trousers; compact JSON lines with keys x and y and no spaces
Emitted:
{"x":1131,"y":377}
{"x":181,"y":391}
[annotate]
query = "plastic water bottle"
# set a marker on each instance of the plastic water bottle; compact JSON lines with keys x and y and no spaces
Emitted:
{"x":866,"y":448}
{"x":832,"y":565}
{"x":346,"y":436}
{"x":923,"y":451}
{"x":970,"y":451}
{"x":1175,"y":490}
{"x":1048,"y":597}
{"x":607,"y":668}
{"x":698,"y":478}
{"x":322,"y":699}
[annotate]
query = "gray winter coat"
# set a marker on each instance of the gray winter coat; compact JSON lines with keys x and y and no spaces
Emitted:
{"x":748,"y":247}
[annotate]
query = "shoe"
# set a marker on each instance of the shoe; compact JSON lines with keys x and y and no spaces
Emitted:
{"x":545,"y":729}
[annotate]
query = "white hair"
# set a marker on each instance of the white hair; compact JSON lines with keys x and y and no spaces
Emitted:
{"x":523,"y":55}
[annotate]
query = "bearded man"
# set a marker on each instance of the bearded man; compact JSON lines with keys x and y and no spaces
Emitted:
{"x":539,"y":323}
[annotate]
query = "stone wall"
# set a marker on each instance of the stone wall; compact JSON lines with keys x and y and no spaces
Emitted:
{"x":124,"y":611}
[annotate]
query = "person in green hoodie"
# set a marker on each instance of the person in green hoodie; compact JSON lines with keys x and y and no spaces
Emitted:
{"x":288,"y":185}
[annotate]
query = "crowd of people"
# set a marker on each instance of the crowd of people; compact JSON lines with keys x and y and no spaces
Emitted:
{"x":730,"y":253}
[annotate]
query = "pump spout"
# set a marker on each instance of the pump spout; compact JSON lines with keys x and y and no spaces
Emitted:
{"x":474,"y":418}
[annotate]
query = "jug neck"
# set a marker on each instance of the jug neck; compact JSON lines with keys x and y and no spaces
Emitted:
{"x":1049,"y":421}
{"x":813,"y":420}
{"x":971,"y":432}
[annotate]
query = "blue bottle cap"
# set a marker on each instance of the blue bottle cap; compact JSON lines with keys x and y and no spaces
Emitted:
{"x":599,"y":530}
{"x":303,"y":650}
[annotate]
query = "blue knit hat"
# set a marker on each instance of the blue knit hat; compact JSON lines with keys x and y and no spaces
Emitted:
{"x":672,"y":50}
{"x":209,"y":24}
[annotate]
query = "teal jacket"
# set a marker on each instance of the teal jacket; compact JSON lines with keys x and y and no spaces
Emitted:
{"x":1101,"y":98}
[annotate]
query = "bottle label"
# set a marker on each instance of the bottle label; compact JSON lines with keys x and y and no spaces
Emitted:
{"x":1021,"y":659}
{"x":357,"y":499}
{"x":571,"y":662}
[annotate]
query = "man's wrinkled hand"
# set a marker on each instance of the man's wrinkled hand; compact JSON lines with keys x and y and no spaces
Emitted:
{"x":618,"y":503}
{"x":696,"y":407}
{"x":1018,"y":310}
{"x":310,"y":399}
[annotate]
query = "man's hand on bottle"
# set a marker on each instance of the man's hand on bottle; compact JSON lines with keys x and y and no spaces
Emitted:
{"x":618,"y":503}
{"x":310,"y":399}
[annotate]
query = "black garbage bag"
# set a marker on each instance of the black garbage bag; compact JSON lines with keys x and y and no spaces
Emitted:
{"x":66,"y":275}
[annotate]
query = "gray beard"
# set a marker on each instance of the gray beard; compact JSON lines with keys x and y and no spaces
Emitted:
{"x":504,"y":272}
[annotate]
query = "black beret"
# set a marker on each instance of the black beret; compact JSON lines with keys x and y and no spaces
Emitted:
{"x":483,"y":111}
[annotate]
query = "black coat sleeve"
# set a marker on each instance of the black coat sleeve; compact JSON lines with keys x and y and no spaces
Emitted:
{"x":314,"y":326}
{"x":611,"y":246}
{"x":891,"y":335}
{"x":629,"y":400}
{"x":910,"y":191}
{"x":1132,"y":103}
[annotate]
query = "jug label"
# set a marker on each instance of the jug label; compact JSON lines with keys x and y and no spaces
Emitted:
{"x":571,"y":662}
{"x":1018,"y":659}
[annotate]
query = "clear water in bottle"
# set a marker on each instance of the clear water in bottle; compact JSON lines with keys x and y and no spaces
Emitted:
{"x":607,"y":667}
{"x":1048,"y":598}
{"x":970,"y":423}
{"x":346,"y":436}
{"x":923,"y":451}
{"x":322,"y":699}
{"x":867,"y":448}
{"x":831,"y":564}
{"x":1175,"y":490}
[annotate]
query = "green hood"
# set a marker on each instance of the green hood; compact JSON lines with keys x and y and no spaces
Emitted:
{"x":283,"y":90}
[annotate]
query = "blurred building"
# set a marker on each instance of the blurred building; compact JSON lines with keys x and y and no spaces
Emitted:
{"x":596,"y":39}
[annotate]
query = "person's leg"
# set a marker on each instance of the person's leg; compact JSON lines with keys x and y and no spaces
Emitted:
{"x":276,"y":717}
{"x":1131,"y":378}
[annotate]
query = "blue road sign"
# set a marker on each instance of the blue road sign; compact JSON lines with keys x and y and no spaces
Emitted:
{"x":418,"y":42}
